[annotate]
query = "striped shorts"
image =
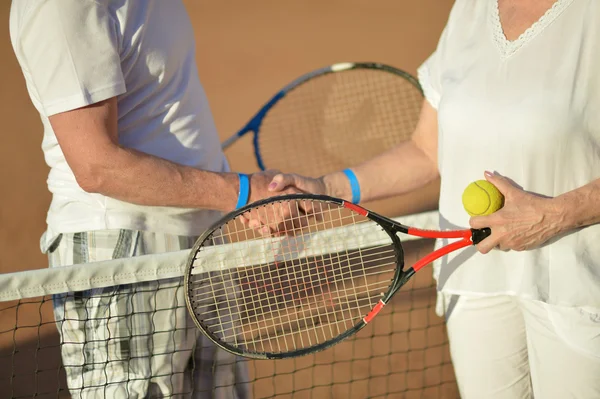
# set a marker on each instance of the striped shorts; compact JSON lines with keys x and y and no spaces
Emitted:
{"x":136,"y":341}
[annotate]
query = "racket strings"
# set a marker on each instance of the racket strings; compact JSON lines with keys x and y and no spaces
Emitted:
{"x":338,"y":120}
{"x":316,"y":283}
{"x":247,"y":285}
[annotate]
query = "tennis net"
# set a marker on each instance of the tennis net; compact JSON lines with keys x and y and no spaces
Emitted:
{"x":134,"y":340}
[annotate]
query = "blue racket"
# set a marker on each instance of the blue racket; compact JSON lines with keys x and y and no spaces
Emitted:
{"x":334,"y":117}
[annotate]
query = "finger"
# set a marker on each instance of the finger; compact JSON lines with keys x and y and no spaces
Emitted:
{"x":479,"y":222}
{"x":255,"y":218}
{"x":264,"y":216}
{"x":302,"y":220}
{"x":281,"y":181}
{"x":292,"y":218}
{"x":254,"y":224}
{"x":309,"y":208}
{"x":270,"y":218}
{"x":502,"y":248}
{"x":265,"y":231}
{"x":286,"y":227}
{"x":488,"y":244}
{"x":306,"y":207}
{"x":503,"y":185}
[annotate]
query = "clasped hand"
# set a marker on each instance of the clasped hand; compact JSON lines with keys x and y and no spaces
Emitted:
{"x":279,"y":218}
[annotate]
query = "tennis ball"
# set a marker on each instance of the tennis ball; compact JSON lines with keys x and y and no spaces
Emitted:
{"x":482,"y":198}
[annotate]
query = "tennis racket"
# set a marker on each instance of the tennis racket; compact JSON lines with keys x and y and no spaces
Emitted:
{"x":333,"y":269}
{"x":336,"y":117}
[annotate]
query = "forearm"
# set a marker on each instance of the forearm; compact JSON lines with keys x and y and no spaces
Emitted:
{"x":398,"y":171}
{"x":402,"y":169}
{"x":139,"y":178}
{"x":580,"y":207}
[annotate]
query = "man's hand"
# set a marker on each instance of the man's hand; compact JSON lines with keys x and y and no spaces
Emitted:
{"x":276,"y":218}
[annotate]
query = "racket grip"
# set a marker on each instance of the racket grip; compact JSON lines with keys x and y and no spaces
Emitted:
{"x":478,"y":235}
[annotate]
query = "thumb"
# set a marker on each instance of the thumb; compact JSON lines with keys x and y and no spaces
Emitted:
{"x":280,"y":182}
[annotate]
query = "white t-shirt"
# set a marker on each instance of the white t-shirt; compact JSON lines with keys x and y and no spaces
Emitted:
{"x":529,"y":110}
{"x":78,"y":52}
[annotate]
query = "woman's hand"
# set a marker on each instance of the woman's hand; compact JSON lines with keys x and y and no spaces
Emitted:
{"x":525,"y":222}
{"x":303,"y":184}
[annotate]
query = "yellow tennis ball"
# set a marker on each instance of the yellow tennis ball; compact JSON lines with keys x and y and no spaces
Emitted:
{"x":482,"y":198}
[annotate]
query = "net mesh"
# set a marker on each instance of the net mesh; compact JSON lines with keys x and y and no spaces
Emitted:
{"x":135,"y":340}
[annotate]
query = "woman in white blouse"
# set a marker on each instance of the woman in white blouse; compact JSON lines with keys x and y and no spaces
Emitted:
{"x":513,"y":88}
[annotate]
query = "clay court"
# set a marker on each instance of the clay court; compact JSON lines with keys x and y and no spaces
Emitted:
{"x":246,"y":51}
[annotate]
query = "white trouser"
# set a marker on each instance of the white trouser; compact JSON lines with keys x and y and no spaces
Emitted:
{"x":506,"y":347}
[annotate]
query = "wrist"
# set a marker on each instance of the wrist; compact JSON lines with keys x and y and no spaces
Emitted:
{"x":227,"y":193}
{"x":243,"y":190}
{"x":233,"y":192}
{"x":563,"y":213}
{"x":337,"y":185}
{"x":566,"y":211}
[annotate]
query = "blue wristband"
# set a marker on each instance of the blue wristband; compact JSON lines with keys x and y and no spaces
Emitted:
{"x":354,"y":186}
{"x":244,"y":191}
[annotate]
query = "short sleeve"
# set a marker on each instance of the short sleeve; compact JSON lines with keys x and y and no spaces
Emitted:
{"x":70,"y":51}
{"x":430,"y":72}
{"x":428,"y":75}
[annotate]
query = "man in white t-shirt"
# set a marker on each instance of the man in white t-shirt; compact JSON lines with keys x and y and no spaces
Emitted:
{"x":135,"y":168}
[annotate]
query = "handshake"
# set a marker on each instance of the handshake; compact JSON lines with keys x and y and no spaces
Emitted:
{"x":276,"y":220}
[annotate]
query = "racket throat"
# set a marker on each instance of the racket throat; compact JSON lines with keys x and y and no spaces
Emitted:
{"x":383,"y":301}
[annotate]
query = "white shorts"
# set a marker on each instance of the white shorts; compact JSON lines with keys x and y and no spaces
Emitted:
{"x":507,"y":347}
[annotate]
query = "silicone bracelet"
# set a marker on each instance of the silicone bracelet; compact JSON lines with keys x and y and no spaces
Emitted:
{"x":244,"y":191}
{"x":354,"y":186}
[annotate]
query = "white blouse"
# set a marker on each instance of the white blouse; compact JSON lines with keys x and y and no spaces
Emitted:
{"x":530,"y":110}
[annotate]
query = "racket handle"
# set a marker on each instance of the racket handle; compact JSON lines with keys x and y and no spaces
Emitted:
{"x":478,"y":235}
